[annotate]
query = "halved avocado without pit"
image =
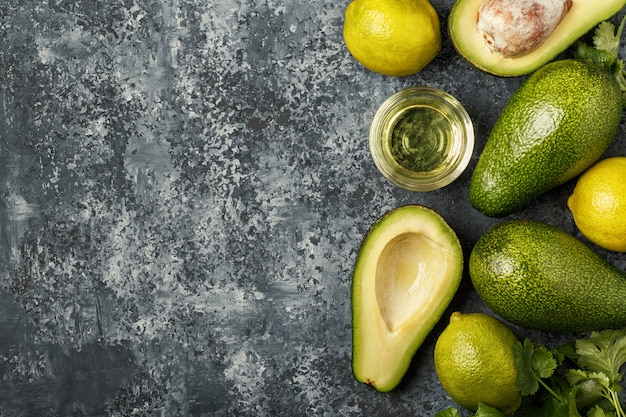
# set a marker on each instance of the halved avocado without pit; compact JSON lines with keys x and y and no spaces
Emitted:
{"x":583,"y":16}
{"x":407,"y":271}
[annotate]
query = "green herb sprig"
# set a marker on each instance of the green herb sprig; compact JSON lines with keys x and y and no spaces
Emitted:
{"x":605,"y":51}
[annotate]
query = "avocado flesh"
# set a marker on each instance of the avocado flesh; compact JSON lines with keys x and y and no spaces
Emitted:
{"x":407,"y":271}
{"x":557,"y":124}
{"x":538,"y":276}
{"x":583,"y":16}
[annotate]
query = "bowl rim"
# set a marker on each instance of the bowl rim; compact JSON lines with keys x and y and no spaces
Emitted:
{"x":390,"y":111}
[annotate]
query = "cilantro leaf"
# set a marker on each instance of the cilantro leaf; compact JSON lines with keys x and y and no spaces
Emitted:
{"x":485,"y":410}
{"x":600,"y":57}
{"x":598,"y":411}
{"x":448,"y":412}
{"x":543,"y":404}
{"x":604,"y":352}
{"x":576,"y":376}
{"x":619,"y":74}
{"x":606,"y":39}
{"x":592,"y":386}
{"x":533,"y":363}
{"x":589,"y":392}
{"x":605,"y":52}
{"x":601,"y":356}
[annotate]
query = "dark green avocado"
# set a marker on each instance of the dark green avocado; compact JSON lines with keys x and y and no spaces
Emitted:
{"x":540,"y":277}
{"x":557,"y":124}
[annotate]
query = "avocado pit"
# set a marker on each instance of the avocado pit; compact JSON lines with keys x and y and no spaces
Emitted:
{"x":516,"y":27}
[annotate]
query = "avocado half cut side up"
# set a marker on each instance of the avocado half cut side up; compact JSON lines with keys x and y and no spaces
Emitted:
{"x":583,"y":16}
{"x":407,"y":271}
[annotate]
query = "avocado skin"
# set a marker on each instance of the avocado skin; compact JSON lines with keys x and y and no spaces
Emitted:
{"x":540,"y":277}
{"x":557,"y":124}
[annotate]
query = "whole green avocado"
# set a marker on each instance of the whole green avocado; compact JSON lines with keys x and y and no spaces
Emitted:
{"x":538,"y":276}
{"x":557,"y":124}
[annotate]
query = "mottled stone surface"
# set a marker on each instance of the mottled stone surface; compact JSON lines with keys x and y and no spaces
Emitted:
{"x":184,"y":186}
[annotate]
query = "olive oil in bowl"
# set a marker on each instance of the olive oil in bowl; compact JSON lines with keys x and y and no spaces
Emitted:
{"x":421,"y":139}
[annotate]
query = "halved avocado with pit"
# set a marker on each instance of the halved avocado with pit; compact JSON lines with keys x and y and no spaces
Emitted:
{"x":407,"y":271}
{"x":583,"y":16}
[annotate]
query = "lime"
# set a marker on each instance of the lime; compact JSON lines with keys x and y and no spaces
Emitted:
{"x":475,"y":362}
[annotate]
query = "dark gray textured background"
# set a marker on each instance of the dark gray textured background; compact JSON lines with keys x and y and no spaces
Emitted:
{"x":184,"y":185}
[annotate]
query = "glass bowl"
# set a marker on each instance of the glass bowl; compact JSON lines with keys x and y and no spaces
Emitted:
{"x":421,"y":138}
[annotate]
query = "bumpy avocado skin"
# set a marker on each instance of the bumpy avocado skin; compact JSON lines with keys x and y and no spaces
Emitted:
{"x":557,"y":124}
{"x":538,"y":276}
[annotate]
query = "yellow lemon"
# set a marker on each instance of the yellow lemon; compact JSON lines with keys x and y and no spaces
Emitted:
{"x":475,"y":362}
{"x":392,"y":37}
{"x":598,"y":203}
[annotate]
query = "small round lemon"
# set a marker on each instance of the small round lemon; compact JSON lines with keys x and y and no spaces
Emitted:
{"x":392,"y":37}
{"x":598,"y":203}
{"x":475,"y":362}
